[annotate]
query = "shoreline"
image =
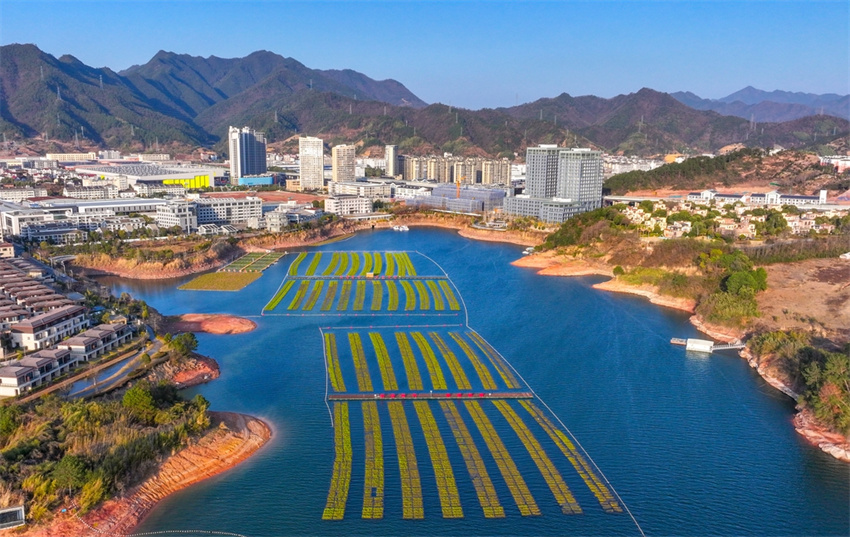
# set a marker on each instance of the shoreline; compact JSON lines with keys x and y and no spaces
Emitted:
{"x":149,"y":271}
{"x":230,"y":440}
{"x":547,"y":265}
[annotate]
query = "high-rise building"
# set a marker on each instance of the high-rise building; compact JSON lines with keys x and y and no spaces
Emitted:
{"x":247,"y":153}
{"x":560,"y":183}
{"x":311,"y":155}
{"x":342,"y":163}
{"x":391,"y":156}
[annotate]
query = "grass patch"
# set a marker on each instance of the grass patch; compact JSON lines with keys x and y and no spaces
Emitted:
{"x":221,"y":281}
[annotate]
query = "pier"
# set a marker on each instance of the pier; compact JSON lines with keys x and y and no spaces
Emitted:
{"x":442,"y":396}
{"x":705,"y":345}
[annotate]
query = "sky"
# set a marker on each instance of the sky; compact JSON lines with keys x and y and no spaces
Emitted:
{"x":474,"y":54}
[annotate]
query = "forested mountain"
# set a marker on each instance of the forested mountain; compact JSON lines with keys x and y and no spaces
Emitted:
{"x":190,"y":101}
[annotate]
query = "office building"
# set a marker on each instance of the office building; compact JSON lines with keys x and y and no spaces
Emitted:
{"x":560,"y":183}
{"x":343,"y":205}
{"x":342,"y":163}
{"x":247,"y":153}
{"x":391,"y":158}
{"x":311,"y":156}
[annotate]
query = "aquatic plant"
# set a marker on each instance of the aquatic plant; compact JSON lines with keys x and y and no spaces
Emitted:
{"x":443,"y":473}
{"x":338,"y":493}
{"x":547,"y":468}
{"x":315,"y":292}
{"x":449,"y":357}
{"x":330,"y":295}
{"x":438,"y":380}
{"x":475,"y":465}
{"x":483,"y":373}
{"x":384,"y":363}
{"x":279,"y":296}
{"x":506,"y":465}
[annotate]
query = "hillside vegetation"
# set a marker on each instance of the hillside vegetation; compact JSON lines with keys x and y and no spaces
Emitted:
{"x":191,"y":101}
{"x":789,"y":171}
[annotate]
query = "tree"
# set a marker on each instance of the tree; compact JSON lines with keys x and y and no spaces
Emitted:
{"x":139,"y":401}
{"x":184,"y":343}
{"x":70,"y":473}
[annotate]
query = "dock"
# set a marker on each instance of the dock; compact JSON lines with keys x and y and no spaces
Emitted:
{"x":396,"y":396}
{"x":705,"y":345}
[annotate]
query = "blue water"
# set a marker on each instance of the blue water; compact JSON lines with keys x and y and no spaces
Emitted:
{"x":694,"y":445}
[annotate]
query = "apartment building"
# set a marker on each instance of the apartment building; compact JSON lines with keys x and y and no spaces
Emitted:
{"x":391,"y":158}
{"x":17,"y":195}
{"x":311,"y":157}
{"x":247,"y":153}
{"x":343,"y":163}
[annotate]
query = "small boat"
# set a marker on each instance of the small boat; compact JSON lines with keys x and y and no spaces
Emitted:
{"x":401,"y":228}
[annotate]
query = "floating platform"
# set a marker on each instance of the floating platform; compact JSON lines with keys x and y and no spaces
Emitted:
{"x":442,"y":396}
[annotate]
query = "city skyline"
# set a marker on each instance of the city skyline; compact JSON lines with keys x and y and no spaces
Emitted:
{"x":520,"y":51}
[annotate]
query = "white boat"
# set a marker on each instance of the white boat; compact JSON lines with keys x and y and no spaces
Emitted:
{"x":401,"y":228}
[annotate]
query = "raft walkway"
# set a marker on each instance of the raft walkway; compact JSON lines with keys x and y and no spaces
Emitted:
{"x":442,"y":396}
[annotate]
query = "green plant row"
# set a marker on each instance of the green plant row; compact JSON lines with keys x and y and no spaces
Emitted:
{"x":354,"y":270}
{"x":373,"y":483}
{"x":424,"y":299}
{"x":392,"y":290}
{"x":438,"y":380}
{"x":390,"y":271}
{"x":378,"y":257}
{"x":344,"y":295}
{"x":359,"y":295}
{"x":400,"y":266}
{"x":368,"y":261}
{"x":338,"y":493}
{"x":315,"y":292}
{"x":334,"y":370}
{"x":449,"y":357}
{"x":384,"y":363}
{"x":439,"y":304}
{"x":483,"y":373}
{"x":411,"y":370}
{"x":364,"y":381}
{"x":314,"y":264}
{"x":299,"y":295}
{"x":330,"y":294}
{"x":409,"y":296}
{"x":547,"y":468}
{"x":344,"y":258}
{"x":293,"y":268}
{"x":498,"y":362}
{"x":506,"y":465}
{"x":411,"y":483}
{"x":450,"y":296}
{"x":332,"y":265}
{"x":279,"y":296}
{"x":484,"y":488}
{"x":377,"y":295}
{"x":600,"y":491}
{"x":443,"y":473}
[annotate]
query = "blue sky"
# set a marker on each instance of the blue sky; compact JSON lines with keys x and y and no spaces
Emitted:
{"x":474,"y":54}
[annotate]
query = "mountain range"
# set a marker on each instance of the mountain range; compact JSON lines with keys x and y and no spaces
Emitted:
{"x":187,"y":101}
{"x":770,"y":106}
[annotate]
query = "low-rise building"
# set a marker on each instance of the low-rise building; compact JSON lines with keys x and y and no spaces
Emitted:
{"x":49,"y":328}
{"x":228,"y":210}
{"x":7,"y":250}
{"x":97,"y":341}
{"x":17,"y":195}
{"x":177,"y":213}
{"x":348,"y":205}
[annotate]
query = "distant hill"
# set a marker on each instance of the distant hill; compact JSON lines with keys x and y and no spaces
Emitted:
{"x":770,"y":106}
{"x":788,"y":171}
{"x":180,"y":100}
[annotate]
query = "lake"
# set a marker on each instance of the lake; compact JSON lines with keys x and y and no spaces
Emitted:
{"x":692,"y":444}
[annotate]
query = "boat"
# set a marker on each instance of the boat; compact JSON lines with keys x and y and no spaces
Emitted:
{"x":401,"y":228}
